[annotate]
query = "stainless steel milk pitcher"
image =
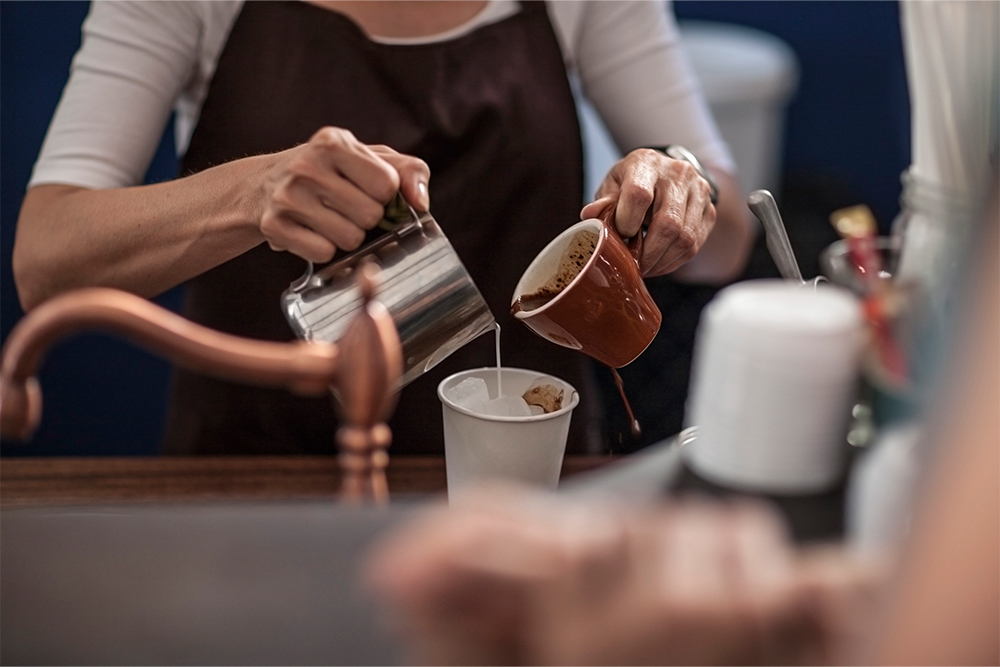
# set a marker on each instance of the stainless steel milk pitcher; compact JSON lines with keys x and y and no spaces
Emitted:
{"x":434,"y":303}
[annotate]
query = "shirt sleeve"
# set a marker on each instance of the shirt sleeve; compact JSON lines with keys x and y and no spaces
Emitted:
{"x":634,"y":70}
{"x":133,"y":63}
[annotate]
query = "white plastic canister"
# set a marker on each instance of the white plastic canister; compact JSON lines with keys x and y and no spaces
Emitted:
{"x":748,"y":77}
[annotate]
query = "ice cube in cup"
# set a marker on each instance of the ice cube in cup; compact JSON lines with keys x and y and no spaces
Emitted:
{"x":471,"y":394}
{"x":506,"y":406}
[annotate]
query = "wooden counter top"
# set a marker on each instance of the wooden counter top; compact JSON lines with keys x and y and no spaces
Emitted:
{"x":32,"y":481}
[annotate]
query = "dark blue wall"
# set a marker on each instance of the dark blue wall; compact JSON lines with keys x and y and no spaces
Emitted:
{"x":847,"y":142}
{"x":101,"y":395}
{"x":849,"y":126}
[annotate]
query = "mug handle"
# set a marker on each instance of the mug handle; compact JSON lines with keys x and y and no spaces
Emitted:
{"x":634,"y":244}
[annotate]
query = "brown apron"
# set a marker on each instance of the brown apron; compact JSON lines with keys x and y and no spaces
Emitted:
{"x":493,"y":116}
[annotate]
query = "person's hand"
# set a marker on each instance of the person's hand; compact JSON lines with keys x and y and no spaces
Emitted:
{"x":324,"y":194}
{"x":668,"y":197}
{"x":458,"y":581}
{"x":516,"y":578}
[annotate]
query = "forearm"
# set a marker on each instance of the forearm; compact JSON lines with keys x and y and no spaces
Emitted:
{"x":143,"y":239}
{"x":724,"y":255}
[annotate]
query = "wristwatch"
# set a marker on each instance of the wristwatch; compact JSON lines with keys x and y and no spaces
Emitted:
{"x":680,"y":153}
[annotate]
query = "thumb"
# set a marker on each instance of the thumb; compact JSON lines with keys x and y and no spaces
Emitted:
{"x":414,"y":176}
{"x":596,"y":208}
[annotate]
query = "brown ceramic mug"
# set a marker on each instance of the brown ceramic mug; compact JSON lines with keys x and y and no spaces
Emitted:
{"x":605,"y":310}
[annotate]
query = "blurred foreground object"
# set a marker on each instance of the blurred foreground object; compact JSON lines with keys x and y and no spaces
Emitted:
{"x":362,"y":369}
{"x":947,"y":600}
{"x":953,"y":69}
{"x":522,"y":578}
{"x":531,"y":579}
{"x":774,"y":378}
{"x":900,"y":362}
{"x":857,"y":226}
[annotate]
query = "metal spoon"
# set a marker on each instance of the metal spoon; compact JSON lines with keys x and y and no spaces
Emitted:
{"x":762,"y":203}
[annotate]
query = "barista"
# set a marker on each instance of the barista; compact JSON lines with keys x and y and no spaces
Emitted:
{"x":286,"y":113}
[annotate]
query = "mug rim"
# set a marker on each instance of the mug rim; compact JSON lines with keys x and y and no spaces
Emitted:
{"x":602,"y":232}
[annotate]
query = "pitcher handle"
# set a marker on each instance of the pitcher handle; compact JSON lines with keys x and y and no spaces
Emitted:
{"x":303,"y":281}
{"x":397,"y":212}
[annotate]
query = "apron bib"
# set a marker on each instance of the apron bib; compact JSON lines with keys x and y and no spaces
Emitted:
{"x":493,"y":116}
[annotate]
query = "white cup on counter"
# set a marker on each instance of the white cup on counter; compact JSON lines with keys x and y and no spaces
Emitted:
{"x":775,"y":375}
{"x":481,"y":447}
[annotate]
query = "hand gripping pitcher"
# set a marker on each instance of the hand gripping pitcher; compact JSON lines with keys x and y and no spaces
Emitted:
{"x":431,"y":297}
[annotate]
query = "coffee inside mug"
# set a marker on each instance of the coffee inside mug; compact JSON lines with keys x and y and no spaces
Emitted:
{"x":556,"y":267}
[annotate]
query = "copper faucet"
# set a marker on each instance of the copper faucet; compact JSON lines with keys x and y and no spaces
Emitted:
{"x":362,"y":369}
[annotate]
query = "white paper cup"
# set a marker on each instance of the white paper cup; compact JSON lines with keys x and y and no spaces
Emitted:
{"x":481,"y":447}
{"x":774,"y":378}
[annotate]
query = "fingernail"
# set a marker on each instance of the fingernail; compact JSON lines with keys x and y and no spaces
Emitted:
{"x":425,"y":200}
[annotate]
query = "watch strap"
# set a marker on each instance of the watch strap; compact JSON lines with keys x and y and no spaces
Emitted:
{"x":680,"y":153}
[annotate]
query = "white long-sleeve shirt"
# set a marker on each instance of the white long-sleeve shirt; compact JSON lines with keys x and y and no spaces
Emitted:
{"x":141,"y":60}
{"x":953,"y":69}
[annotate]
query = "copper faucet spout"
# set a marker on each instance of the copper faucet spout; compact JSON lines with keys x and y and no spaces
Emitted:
{"x":363,"y":368}
{"x":303,"y":367}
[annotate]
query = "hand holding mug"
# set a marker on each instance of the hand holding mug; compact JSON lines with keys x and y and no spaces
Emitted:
{"x":667,"y":196}
{"x":584,"y":291}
